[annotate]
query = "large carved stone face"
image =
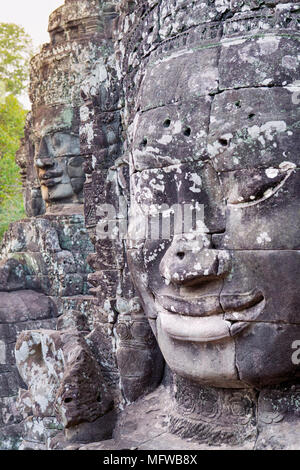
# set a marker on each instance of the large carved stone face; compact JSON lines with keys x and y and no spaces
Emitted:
{"x":223,"y":297}
{"x":57,"y":155}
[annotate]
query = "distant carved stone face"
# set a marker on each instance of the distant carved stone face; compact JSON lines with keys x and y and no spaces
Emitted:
{"x":57,"y":156}
{"x":221,"y":286}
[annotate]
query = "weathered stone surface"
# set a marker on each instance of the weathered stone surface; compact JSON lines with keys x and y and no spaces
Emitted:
{"x":172,"y":134}
{"x":25,"y":305}
{"x":187,"y":85}
{"x":62,"y":376}
{"x":244,"y":133}
{"x":257,"y":277}
{"x":270,"y":361}
{"x":264,"y":61}
{"x":138,"y":357}
{"x":279,"y":413}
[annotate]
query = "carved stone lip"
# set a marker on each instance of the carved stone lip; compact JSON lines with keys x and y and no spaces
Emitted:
{"x":51,"y":177}
{"x":50,"y":182}
{"x":208,"y":327}
{"x":194,"y":329}
{"x":207,"y":305}
{"x":199,"y":306}
{"x":236,"y":304}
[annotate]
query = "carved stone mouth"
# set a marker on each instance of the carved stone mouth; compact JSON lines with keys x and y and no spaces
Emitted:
{"x":196,"y":307}
{"x":242,"y":309}
{"x":207,"y":305}
{"x":51,"y":178}
{"x":51,"y":174}
{"x":50,"y":182}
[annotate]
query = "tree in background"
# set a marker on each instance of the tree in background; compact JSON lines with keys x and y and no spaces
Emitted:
{"x":15,"y":52}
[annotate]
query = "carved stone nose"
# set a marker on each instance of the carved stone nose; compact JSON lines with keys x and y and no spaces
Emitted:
{"x":189,"y":262}
{"x":44,"y":158}
{"x":44,"y":162}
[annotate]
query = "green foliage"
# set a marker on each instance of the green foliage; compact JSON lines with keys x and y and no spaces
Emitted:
{"x":15,"y":52}
{"x":12,"y":120}
{"x":11,"y":210}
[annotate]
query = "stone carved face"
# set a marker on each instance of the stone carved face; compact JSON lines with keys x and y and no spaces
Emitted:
{"x":57,"y":155}
{"x":223,"y":299}
{"x":33,"y":202}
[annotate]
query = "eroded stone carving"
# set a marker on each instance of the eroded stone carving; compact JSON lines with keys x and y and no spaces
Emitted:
{"x":63,"y":379}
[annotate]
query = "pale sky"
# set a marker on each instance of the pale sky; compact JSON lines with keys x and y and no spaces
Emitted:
{"x":33,"y":16}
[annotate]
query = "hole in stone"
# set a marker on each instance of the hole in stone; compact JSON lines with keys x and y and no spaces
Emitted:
{"x":223,"y":142}
{"x":180,"y":255}
{"x":99,"y":398}
{"x":187,"y":131}
{"x":238,"y":104}
{"x":167,"y":123}
{"x":144,"y":142}
{"x":68,"y":400}
{"x":251,"y":115}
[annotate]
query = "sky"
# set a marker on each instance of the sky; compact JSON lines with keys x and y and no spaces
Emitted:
{"x":33,"y":16}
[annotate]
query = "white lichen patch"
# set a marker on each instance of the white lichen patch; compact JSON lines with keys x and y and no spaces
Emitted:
{"x":232,"y":42}
{"x":165,"y":140}
{"x":22,"y":353}
{"x":272,"y":172}
{"x":197,"y":183}
{"x":269,"y":129}
{"x":84,"y":113}
{"x":268,"y":44}
{"x":2,"y":352}
{"x":290,"y":62}
{"x":87,"y":131}
{"x":286,"y":166}
{"x":263,"y":238}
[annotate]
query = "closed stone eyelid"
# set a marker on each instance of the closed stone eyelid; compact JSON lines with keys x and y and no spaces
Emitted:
{"x":272,"y":192}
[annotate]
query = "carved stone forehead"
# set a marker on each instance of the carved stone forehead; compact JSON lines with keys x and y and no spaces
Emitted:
{"x":226,"y":102}
{"x":59,"y":118}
